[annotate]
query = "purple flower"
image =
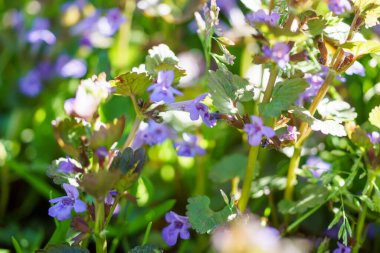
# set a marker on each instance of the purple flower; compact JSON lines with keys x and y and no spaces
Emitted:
{"x":66,"y":166}
{"x":291,"y":135}
{"x":109,"y":200}
{"x":188,"y":147}
{"x":31,"y":84}
{"x":152,"y":133}
{"x":339,"y":6}
{"x":256,"y":130}
{"x":317,"y":166}
{"x":40,"y":32}
{"x":101,"y":153}
{"x":162,"y":90}
{"x":357,"y":68}
{"x":63,"y":205}
{"x":196,"y":109}
{"x":342,"y":248}
{"x":109,"y":25}
{"x":67,"y":67}
{"x":374,"y":137}
{"x":179,"y":226}
{"x":260,"y":16}
{"x":45,"y":69}
{"x":279,"y":53}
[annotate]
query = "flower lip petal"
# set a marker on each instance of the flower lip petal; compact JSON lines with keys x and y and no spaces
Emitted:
{"x":71,"y":191}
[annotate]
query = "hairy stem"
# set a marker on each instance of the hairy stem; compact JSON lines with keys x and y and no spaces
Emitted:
{"x":254,"y":150}
{"x":100,"y":238}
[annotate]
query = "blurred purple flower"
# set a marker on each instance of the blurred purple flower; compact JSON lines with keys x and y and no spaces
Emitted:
{"x":77,"y":3}
{"x":40,"y":32}
{"x":152,"y":133}
{"x":67,"y":67}
{"x":256,"y":130}
{"x":179,"y":226}
{"x":374,"y":137}
{"x":66,"y":166}
{"x":31,"y":84}
{"x":317,"y":166}
{"x":45,"y":69}
{"x":357,"y":68}
{"x":291,"y":134}
{"x":188,"y":147}
{"x":279,"y":53}
{"x":86,"y":25}
{"x":63,"y":205}
{"x":315,"y":82}
{"x":342,"y":248}
{"x":260,"y":16}
{"x":339,"y":6}
{"x":109,"y":24}
{"x":162,"y":90}
{"x":196,"y":109}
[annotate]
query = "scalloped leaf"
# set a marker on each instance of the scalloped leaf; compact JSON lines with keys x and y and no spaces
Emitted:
{"x":331,"y":127}
{"x":284,"y":94}
{"x":202,"y":218}
{"x":336,"y":110}
{"x":68,"y":133}
{"x":131,"y":83}
{"x":374,"y":116}
{"x":227,"y":90}
{"x":107,"y":134}
{"x":360,"y":48}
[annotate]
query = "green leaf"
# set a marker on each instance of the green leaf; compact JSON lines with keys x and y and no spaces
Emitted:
{"x":131,"y":83}
{"x":158,"y":55}
{"x":63,"y":248}
{"x":337,"y":33}
{"x":68,"y":133}
{"x":336,"y":110}
{"x":276,"y":34}
{"x":145,"y":249}
{"x":202,"y":218}
{"x":98,"y":184}
{"x":374,"y":116}
{"x":129,"y":163}
{"x":359,"y":137}
{"x":227,"y":90}
{"x":324,"y":126}
{"x":229,"y":167}
{"x":360,"y":48}
{"x":284,"y":94}
{"x":107,"y":134}
{"x":16,"y":245}
{"x":316,"y":26}
{"x":369,"y":10}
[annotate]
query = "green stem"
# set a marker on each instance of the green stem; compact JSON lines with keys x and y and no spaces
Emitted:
{"x":246,"y":191}
{"x":100,"y":238}
{"x":132,"y":133}
{"x":112,"y":209}
{"x":4,"y":191}
{"x":360,"y":236}
{"x":304,"y":132}
{"x":254,"y":150}
{"x":294,"y":163}
{"x":147,"y":232}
